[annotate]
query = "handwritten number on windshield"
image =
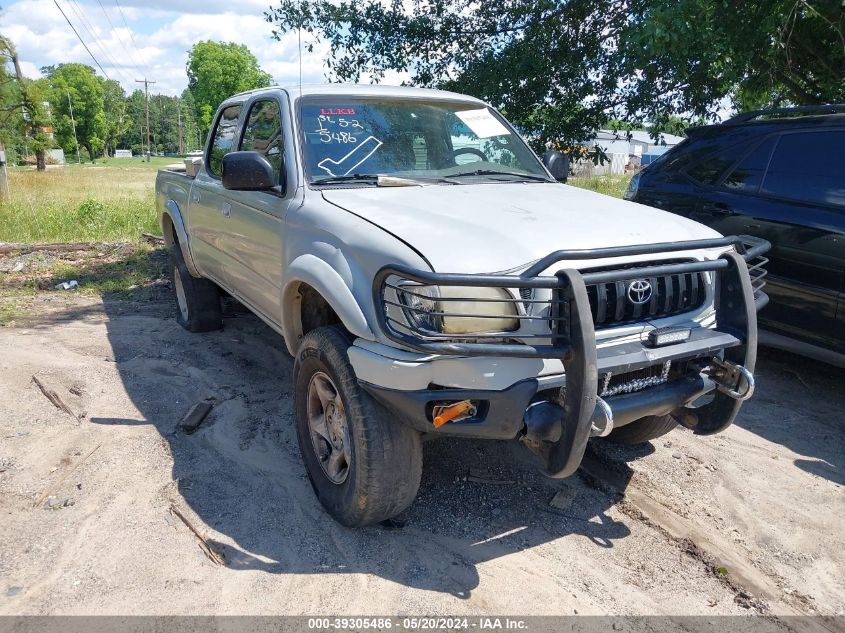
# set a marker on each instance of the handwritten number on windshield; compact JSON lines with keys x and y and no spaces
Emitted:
{"x":327,"y":135}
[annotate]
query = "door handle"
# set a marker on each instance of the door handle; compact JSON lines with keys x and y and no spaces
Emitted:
{"x":195,"y":196}
{"x":717,"y":208}
{"x":226,"y":210}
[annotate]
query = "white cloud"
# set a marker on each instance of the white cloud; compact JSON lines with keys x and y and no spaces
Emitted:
{"x":158,"y":39}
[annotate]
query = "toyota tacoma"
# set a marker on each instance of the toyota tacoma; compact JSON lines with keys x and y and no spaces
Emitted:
{"x":431,"y":275}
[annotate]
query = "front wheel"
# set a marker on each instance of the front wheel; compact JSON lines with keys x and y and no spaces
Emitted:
{"x":643,"y":430}
{"x":364,"y":466}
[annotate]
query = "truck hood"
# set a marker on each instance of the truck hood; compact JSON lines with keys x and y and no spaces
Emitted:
{"x":498,"y":227}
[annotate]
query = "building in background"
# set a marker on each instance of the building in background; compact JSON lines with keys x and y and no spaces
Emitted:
{"x":625,"y":150}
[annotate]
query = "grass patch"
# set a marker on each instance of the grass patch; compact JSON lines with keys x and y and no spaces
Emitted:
{"x":98,"y":203}
{"x":134,"y":274}
{"x":126,"y":271}
{"x":609,"y":185}
{"x":10,"y":311}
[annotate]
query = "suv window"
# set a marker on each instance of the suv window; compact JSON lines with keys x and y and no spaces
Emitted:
{"x":263,"y":134}
{"x":708,"y":171}
{"x":808,"y":166}
{"x":748,"y":175}
{"x":224,"y":139}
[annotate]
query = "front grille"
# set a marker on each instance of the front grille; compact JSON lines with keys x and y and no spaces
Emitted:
{"x":670,"y":294}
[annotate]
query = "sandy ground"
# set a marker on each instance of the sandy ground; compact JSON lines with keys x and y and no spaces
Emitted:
{"x":750,"y":521}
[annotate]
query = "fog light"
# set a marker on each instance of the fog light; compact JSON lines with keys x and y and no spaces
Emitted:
{"x":668,"y":336}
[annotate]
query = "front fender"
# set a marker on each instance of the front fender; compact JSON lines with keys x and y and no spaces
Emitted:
{"x":321,"y":276}
{"x":173,"y":214}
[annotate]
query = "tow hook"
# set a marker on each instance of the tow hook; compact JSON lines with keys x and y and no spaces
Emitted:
{"x":445,"y":413}
{"x":731,"y":379}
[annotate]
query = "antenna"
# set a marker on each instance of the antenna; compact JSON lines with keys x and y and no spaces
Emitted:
{"x":299,"y":42}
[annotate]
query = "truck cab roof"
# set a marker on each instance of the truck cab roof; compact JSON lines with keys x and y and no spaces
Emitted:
{"x":356,"y":90}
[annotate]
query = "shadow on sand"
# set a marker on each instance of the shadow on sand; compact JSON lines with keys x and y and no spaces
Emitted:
{"x":241,"y":475}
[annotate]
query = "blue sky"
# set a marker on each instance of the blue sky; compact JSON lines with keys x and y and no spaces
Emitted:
{"x":157,"y":39}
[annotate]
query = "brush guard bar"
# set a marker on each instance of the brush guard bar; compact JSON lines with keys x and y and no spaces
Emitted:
{"x":739,"y":280}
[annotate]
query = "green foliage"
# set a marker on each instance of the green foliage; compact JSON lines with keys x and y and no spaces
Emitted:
{"x":114,"y":109}
{"x":76,"y":86}
{"x":560,"y":69}
{"x":22,"y":101}
{"x":609,"y":185}
{"x":216,"y":71}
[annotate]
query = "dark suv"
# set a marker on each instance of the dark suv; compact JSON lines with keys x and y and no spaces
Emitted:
{"x":779,"y":175}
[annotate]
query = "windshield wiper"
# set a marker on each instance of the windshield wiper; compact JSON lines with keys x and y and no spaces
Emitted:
{"x":373,"y":178}
{"x":381,"y":180}
{"x":495,"y":172}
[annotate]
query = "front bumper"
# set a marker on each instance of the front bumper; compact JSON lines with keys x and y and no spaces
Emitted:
{"x":501,"y":413}
{"x":559,"y":434}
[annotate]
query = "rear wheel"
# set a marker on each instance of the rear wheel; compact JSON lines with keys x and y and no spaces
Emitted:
{"x":643,"y":430}
{"x":197,"y":300}
{"x":364,"y":466}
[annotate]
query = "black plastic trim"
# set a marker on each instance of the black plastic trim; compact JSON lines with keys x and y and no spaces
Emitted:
{"x":500,"y":419}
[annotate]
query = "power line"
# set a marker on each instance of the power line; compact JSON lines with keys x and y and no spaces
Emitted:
{"x":131,"y":35}
{"x":86,"y":24}
{"x":81,"y":41}
{"x":127,"y":49}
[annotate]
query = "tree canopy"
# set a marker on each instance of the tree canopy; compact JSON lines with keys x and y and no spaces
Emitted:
{"x":77,"y":87}
{"x":216,"y":71}
{"x":24,"y":120}
{"x":562,"y":68}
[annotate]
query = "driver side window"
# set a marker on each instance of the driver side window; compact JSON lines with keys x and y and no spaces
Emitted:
{"x":263,"y":134}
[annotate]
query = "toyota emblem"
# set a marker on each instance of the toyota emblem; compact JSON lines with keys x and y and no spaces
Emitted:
{"x":639,"y":292}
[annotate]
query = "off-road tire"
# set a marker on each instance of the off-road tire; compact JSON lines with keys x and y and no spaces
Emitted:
{"x":643,"y":430}
{"x":384,"y":475}
{"x":197,"y":300}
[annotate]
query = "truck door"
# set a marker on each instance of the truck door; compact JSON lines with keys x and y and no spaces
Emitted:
{"x":209,"y":214}
{"x":255,"y":218}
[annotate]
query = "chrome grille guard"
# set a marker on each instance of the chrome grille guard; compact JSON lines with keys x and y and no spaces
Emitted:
{"x":569,"y":307}
{"x":738,"y":295}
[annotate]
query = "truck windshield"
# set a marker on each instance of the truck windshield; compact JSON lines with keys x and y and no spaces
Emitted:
{"x":443,"y":141}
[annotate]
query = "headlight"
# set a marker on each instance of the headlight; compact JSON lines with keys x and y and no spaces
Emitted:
{"x":458,"y":309}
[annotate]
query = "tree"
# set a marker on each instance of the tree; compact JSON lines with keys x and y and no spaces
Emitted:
{"x":116,"y":118}
{"x":23,"y":102}
{"x":669,"y":124}
{"x":216,"y":71}
{"x":760,"y":52}
{"x":562,"y":68}
{"x":77,"y":86}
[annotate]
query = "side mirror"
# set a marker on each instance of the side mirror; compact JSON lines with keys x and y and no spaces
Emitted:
{"x":247,"y":171}
{"x":557,"y":164}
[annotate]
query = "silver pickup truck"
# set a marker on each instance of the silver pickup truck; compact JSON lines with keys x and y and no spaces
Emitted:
{"x":431,"y":275}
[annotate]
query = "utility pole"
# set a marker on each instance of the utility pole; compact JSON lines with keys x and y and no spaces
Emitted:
{"x":179,"y":120}
{"x":73,"y":124}
{"x":147,"y":83}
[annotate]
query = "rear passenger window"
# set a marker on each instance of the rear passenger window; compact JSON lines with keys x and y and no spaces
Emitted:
{"x":748,"y":175}
{"x":223,"y":140}
{"x":809,"y":167}
{"x":263,"y":134}
{"x":708,"y":171}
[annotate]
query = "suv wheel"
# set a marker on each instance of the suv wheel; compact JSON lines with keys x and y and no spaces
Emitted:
{"x":364,"y":466}
{"x":643,"y":430}
{"x":197,"y":300}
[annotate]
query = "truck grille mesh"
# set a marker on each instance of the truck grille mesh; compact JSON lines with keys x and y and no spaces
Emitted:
{"x":669,"y":295}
